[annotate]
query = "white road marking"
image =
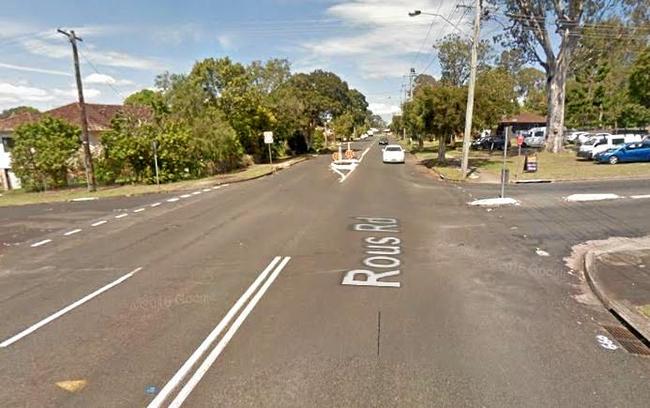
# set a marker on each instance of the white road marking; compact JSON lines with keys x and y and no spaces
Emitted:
{"x":541,"y":252}
{"x":74,"y":231}
{"x":155,"y":204}
{"x":186,"y":195}
{"x":205,"y":345}
{"x":205,"y":190}
{"x":636,"y":197}
{"x":171,"y":200}
{"x":122,"y":215}
{"x":224,"y":185}
{"x":606,"y":343}
{"x":66,"y":309}
{"x":138,"y":210}
{"x":592,"y":197}
{"x":221,"y":345}
{"x":85,"y":199}
{"x":197,"y":192}
{"x":494,"y":202}
{"x":98,"y":223}
{"x":39,"y":243}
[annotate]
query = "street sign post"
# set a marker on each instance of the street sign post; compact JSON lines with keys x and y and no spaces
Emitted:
{"x":154,"y":146}
{"x":520,"y":142}
{"x":268,"y":140}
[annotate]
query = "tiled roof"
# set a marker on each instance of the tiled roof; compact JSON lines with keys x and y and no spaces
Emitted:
{"x":99,"y":116}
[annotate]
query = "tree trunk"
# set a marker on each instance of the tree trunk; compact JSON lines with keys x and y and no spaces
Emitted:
{"x":556,"y":88}
{"x":441,"y":148}
{"x":420,"y":142}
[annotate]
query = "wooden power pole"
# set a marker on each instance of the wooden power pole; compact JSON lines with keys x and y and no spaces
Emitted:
{"x":470,"y":92}
{"x":85,"y":138}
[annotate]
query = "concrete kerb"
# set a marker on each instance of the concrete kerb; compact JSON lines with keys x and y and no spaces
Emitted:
{"x":635,"y":319}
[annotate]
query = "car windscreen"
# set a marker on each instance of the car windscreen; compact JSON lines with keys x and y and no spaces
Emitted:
{"x":393,"y":149}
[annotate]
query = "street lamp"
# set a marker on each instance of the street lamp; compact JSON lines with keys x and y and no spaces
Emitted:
{"x":416,"y":13}
{"x":472,"y":80}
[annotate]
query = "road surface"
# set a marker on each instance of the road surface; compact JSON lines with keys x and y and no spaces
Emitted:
{"x":298,"y":290}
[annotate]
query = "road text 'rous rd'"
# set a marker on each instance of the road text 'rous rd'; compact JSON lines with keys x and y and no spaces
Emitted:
{"x":382,"y":252}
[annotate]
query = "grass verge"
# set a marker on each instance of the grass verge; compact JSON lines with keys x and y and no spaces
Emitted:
{"x":563,"y":166}
{"x":20,"y":197}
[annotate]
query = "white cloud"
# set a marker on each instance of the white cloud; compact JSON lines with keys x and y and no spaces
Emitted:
{"x":35,"y":69}
{"x":103,"y":79}
{"x":23,"y":93}
{"x":384,"y":39}
{"x":225,"y":41}
{"x":109,"y":58}
{"x":72,"y":92}
{"x":384,"y":109}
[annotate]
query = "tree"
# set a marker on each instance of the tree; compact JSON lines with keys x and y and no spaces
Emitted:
{"x":17,"y":110}
{"x":377,"y":122}
{"x":454,"y":57}
{"x":343,"y":125}
{"x":530,"y":32}
{"x":495,"y":98}
{"x":43,"y":152}
{"x":640,"y":78}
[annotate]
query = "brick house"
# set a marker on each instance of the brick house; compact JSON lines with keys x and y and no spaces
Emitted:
{"x":99,"y":121}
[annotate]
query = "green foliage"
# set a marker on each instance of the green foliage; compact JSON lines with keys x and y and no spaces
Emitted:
{"x":495,"y":98}
{"x":454,"y":56}
{"x":639,"y":86}
{"x":43,"y":152}
{"x":343,"y":125}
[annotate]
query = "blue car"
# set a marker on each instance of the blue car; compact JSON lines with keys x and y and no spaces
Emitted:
{"x":629,"y":152}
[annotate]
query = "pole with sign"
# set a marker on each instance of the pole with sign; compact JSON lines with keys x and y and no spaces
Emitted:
{"x":504,"y":169}
{"x":154,"y":146}
{"x":268,"y":140}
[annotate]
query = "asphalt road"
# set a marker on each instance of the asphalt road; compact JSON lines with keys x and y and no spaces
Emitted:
{"x":458,"y":309}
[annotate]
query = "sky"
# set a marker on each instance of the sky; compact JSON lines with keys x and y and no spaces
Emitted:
{"x":371,"y":44}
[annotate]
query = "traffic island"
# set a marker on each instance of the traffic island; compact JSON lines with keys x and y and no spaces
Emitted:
{"x":620,"y":278}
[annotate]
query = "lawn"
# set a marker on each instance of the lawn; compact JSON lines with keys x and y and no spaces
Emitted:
{"x":562,"y":166}
{"x":20,"y":197}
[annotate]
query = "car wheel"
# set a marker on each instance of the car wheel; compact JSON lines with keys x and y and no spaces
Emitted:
{"x":613,"y":160}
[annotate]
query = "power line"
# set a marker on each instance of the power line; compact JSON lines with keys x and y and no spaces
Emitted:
{"x":85,"y":57}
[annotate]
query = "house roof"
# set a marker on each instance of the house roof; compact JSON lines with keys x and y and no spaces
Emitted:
{"x":99,"y":116}
{"x":524,"y":117}
{"x":14,"y":120}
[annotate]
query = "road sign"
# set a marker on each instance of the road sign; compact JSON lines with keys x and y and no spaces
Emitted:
{"x":530,"y":163}
{"x":520,"y":139}
{"x":268,"y":137}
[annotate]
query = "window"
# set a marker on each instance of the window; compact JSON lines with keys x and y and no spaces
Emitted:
{"x":618,"y":141}
{"x":394,"y":149}
{"x":7,"y":144}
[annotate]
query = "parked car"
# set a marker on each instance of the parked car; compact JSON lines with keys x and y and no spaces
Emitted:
{"x":479,"y":142}
{"x":383,"y":141}
{"x":628,"y":152}
{"x":604,"y":142}
{"x":574,"y":136}
{"x":536,"y":137}
{"x":393,"y":154}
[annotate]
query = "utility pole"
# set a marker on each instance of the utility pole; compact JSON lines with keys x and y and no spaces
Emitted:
{"x":470,"y":92}
{"x":411,"y":80}
{"x":85,"y":139}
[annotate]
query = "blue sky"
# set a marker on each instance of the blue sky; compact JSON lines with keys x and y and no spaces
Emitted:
{"x":370,"y":43}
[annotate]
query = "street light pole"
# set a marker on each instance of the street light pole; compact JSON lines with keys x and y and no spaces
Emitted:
{"x":472,"y":78}
{"x":470,"y":91}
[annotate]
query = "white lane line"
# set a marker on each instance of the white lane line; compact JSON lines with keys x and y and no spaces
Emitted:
{"x":122,"y":215}
{"x":39,"y":243}
{"x":66,"y":309}
{"x":138,"y":210}
{"x":203,"y":347}
{"x":205,"y":190}
{"x":221,"y":345}
{"x":186,"y":195}
{"x":171,"y":200}
{"x":592,"y":197}
{"x":155,"y":204}
{"x":364,"y":153}
{"x":98,"y":223}
{"x":197,"y":193}
{"x":224,"y":185}
{"x":74,"y":231}
{"x":640,"y":196}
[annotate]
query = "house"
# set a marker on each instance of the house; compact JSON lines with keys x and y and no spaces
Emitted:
{"x":99,"y":121}
{"x":521,"y":122}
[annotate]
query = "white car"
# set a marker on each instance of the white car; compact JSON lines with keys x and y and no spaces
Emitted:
{"x":536,"y":137}
{"x":393,"y":154}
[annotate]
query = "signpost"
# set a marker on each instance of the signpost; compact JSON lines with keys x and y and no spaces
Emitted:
{"x":154,"y":146}
{"x":520,"y":142}
{"x":504,"y":170}
{"x":268,"y":140}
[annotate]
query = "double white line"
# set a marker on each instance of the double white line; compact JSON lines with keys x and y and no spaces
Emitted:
{"x":273,"y":269}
